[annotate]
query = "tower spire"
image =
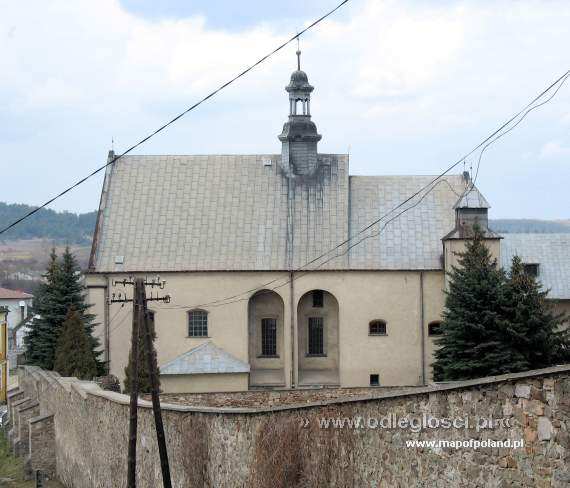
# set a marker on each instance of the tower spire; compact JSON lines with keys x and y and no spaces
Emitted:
{"x":299,"y":136}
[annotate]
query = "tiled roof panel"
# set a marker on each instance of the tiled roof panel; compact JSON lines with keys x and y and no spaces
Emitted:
{"x":410,"y":237}
{"x":550,"y":251}
{"x":231,"y":212}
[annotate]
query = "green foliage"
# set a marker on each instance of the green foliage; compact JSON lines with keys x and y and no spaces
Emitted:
{"x":61,"y":226}
{"x":143,"y":369}
{"x":494,"y":323}
{"x":61,"y":290}
{"x":471,"y":344}
{"x":74,"y":354}
{"x":535,"y":330}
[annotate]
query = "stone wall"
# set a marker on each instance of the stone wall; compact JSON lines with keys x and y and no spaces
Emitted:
{"x":286,"y":445}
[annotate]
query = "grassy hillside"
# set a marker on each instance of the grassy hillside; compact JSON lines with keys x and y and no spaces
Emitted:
{"x":63,"y":227}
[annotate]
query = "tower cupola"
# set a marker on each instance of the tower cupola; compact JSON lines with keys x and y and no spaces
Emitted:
{"x":299,"y":137}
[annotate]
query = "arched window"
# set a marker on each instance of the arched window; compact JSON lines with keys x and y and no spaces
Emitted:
{"x":377,"y":327}
{"x":197,"y":323}
{"x":434,"y":328}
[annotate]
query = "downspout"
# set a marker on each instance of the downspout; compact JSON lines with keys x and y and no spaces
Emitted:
{"x":107,"y":355}
{"x":422,"y":329}
{"x":292,"y":312}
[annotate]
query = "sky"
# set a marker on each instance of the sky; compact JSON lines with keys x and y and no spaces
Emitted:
{"x":406,"y":87}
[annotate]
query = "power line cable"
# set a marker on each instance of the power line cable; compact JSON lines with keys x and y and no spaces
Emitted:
{"x":561,"y":80}
{"x":170,"y":122}
{"x":497,"y":134}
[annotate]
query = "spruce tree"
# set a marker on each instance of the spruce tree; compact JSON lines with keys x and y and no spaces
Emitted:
{"x":75,"y":291}
{"x":49,"y":312}
{"x":61,"y":289}
{"x":144,"y":384}
{"x":535,"y":331}
{"x":474,"y":330}
{"x":74,"y":354}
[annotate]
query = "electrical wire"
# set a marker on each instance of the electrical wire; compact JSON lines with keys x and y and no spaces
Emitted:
{"x":497,"y":134}
{"x":561,"y":81}
{"x":179,"y":116}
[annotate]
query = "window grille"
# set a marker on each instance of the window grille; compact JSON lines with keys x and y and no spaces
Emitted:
{"x":316,"y":336}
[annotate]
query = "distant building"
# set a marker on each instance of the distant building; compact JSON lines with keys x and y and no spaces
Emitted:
{"x":268,"y":291}
{"x":18,"y":305}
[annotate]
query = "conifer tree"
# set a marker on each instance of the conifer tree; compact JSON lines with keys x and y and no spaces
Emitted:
{"x":62,"y":289}
{"x":74,"y":296}
{"x":474,"y":340}
{"x":74,"y":354}
{"x":144,"y":384}
{"x":48,"y":316}
{"x":535,"y":331}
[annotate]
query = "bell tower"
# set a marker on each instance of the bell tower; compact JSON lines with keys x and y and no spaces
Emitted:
{"x":299,"y":137}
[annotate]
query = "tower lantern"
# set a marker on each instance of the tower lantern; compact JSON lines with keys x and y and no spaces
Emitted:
{"x":299,"y":137}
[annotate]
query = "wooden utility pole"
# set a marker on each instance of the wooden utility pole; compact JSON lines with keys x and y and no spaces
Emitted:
{"x":138,"y":311}
{"x":153,"y":369}
{"x":141,"y":326}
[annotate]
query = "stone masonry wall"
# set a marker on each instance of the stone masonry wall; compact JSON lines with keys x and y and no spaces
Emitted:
{"x":286,"y":445}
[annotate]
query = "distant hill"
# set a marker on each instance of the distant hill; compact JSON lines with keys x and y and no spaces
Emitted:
{"x":533,"y":226}
{"x":62,"y":227}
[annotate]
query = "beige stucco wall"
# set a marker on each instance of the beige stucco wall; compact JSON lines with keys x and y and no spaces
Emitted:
{"x":267,"y":304}
{"x":227,"y":325}
{"x":452,"y":247}
{"x":96,"y":296}
{"x":434,"y":301}
{"x":318,"y":369}
{"x":562,"y":306}
{"x":202,"y":383}
{"x":362,"y":296}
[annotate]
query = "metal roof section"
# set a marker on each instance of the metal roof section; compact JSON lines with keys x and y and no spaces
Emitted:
{"x":550,"y":251}
{"x":205,"y":359}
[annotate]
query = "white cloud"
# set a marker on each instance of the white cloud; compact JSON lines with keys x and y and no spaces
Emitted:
{"x":554,"y":150}
{"x":412,"y":84}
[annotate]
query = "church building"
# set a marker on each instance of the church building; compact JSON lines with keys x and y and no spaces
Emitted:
{"x":284,"y":270}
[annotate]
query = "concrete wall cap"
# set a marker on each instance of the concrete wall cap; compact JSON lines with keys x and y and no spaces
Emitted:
{"x":31,"y":405}
{"x":41,"y":418}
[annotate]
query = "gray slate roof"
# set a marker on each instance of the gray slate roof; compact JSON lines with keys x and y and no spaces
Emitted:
{"x":550,"y":251}
{"x":230,"y":212}
{"x":410,"y":241}
{"x":205,"y":358}
{"x":472,"y":199}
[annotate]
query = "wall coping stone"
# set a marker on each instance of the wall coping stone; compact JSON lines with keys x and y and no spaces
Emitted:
{"x":41,"y":418}
{"x":20,"y":402}
{"x":14,"y":392}
{"x":31,"y":405}
{"x":80,"y":386}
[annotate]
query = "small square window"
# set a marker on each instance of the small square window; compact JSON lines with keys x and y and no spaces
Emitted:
{"x":318,"y":299}
{"x":374,"y":380}
{"x":531,"y":269}
{"x":377,"y":327}
{"x":434,"y":329}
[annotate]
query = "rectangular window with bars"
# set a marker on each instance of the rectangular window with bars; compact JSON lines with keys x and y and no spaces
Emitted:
{"x":198,"y":323}
{"x":268,"y":337}
{"x":316,"y":336}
